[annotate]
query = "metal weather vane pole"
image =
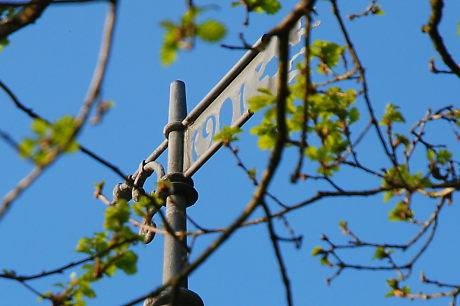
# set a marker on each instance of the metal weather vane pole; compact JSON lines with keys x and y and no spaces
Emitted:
{"x":181,"y":195}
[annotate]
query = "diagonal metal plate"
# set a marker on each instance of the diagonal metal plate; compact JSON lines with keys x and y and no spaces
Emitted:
{"x":232,"y":92}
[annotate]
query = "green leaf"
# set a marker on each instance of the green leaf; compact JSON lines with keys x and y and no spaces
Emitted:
{"x":127,"y":262}
{"x":317,"y":251}
{"x":387,"y":196}
{"x":390,"y":293}
{"x":168,"y":25}
{"x":392,"y":115}
{"x":400,"y":139}
{"x":257,"y":103}
{"x":26,"y":147}
{"x":329,"y":54}
{"x":100,"y":241}
{"x":443,"y":156}
{"x":227,"y":134}
{"x":168,"y":55}
{"x":84,"y":246}
{"x":39,"y":127}
{"x":268,"y":6}
{"x":190,"y":15}
{"x":72,"y":147}
{"x":405,"y":290}
{"x":265,"y":91}
{"x":252,"y":173}
{"x":430,"y":154}
{"x":401,"y":176}
{"x":88,"y":292}
{"x":378,"y":10}
{"x":353,"y":115}
{"x":138,"y":209}
{"x":116,"y":216}
{"x":380,"y":253}
{"x":312,"y":152}
{"x":343,"y":225}
{"x":393,"y":283}
{"x":63,"y":130}
{"x":168,"y":52}
{"x":211,"y":31}
{"x":42,"y":158}
{"x":266,"y":142}
{"x":4,"y":42}
{"x":110,"y":270}
{"x":401,"y":212}
{"x":325,"y":261}
{"x":458,"y":28}
{"x":267,"y":134}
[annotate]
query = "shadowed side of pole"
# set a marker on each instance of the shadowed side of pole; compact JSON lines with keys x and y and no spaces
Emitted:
{"x":181,"y":195}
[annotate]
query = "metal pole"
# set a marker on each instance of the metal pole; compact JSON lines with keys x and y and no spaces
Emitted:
{"x":175,"y":253}
{"x":181,"y":195}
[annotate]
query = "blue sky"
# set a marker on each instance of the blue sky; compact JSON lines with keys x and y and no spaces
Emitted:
{"x":49,"y":66}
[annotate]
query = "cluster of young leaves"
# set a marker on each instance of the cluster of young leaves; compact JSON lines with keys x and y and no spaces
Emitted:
{"x":147,"y":207}
{"x":392,"y":115}
{"x":396,"y":289}
{"x":322,"y":254}
{"x":438,"y":167}
{"x":267,"y":129}
{"x":268,"y":6}
{"x":182,"y":35}
{"x":49,"y":138}
{"x":439,"y":163}
{"x":327,"y":53}
{"x":382,"y":253}
{"x":400,"y":176}
{"x":330,"y":112}
{"x":109,"y":252}
{"x":228,"y":135}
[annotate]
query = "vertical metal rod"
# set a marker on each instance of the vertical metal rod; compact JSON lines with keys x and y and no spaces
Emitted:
{"x":175,"y":252}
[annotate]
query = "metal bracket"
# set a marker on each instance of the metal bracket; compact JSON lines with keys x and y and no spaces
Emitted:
{"x":184,"y":297}
{"x":127,"y":192}
{"x":179,"y":185}
{"x":173,"y":126}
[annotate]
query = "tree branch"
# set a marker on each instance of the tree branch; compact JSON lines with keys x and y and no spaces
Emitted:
{"x":27,"y":15}
{"x":431,"y":28}
{"x":279,"y":256}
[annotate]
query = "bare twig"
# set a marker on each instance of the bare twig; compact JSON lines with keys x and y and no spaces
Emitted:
{"x":279,"y":256}
{"x":431,"y":28}
{"x":371,"y":9}
{"x":18,"y":104}
{"x":10,"y":141}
